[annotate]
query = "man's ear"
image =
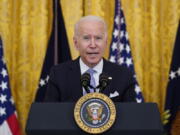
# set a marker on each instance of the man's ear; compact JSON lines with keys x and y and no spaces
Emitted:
{"x":75,"y":43}
{"x":106,"y":42}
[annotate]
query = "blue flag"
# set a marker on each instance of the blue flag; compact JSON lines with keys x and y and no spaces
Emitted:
{"x":57,"y":52}
{"x":120,"y":51}
{"x":173,"y":89}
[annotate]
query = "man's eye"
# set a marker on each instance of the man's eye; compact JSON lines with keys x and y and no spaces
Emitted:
{"x":98,"y":38}
{"x":86,"y":37}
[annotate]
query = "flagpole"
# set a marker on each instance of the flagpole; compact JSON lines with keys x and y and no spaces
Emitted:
{"x":83,"y":8}
{"x":56,"y":32}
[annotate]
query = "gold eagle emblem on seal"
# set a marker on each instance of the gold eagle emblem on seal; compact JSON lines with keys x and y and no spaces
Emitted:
{"x":95,"y":113}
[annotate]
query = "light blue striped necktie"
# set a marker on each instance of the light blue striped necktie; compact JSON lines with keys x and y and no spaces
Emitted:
{"x":92,"y":81}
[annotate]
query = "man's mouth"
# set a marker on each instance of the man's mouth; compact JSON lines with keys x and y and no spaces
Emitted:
{"x":92,"y":53}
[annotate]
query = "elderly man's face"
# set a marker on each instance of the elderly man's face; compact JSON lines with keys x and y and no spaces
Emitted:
{"x":91,"y":41}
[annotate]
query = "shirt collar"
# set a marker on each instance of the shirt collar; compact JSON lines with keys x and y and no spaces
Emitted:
{"x":98,"y":68}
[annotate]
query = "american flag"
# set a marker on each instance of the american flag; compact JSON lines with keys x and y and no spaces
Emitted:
{"x":8,"y":118}
{"x":120,"y":51}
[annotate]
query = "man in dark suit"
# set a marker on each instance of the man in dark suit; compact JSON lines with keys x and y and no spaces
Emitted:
{"x":90,"y":39}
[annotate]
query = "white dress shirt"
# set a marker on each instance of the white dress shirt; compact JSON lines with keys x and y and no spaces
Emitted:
{"x":98,"y":70}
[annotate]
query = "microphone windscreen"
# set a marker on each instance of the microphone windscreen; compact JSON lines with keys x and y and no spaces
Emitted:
{"x":103,"y":80}
{"x":85,"y":79}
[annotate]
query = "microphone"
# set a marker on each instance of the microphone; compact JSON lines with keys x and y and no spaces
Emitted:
{"x":104,"y":81}
{"x":85,"y":81}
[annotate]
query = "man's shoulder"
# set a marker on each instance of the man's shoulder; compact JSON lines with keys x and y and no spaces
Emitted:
{"x":115,"y":65}
{"x":115,"y":68}
{"x":65,"y":65}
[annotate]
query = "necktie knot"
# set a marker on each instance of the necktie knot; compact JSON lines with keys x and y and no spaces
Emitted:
{"x":91,"y":71}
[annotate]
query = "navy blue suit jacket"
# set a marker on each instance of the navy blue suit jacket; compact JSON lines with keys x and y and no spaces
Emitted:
{"x":65,"y":86}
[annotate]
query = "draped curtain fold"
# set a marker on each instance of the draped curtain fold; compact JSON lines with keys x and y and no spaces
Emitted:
{"x":25,"y":27}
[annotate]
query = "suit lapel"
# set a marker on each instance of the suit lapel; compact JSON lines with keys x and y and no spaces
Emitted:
{"x":108,"y":72}
{"x":74,"y":80}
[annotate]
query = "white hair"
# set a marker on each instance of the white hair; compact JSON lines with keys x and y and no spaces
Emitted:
{"x":90,"y":18}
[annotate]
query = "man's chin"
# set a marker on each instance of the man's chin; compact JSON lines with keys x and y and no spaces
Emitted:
{"x":93,"y":62}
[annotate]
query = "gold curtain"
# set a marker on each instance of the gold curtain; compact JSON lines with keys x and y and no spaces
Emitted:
{"x":25,"y":26}
{"x":72,"y":11}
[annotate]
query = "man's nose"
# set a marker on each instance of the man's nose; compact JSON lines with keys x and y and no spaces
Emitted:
{"x":93,"y":43}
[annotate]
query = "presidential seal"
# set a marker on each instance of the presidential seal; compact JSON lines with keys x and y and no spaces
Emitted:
{"x":95,"y":113}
